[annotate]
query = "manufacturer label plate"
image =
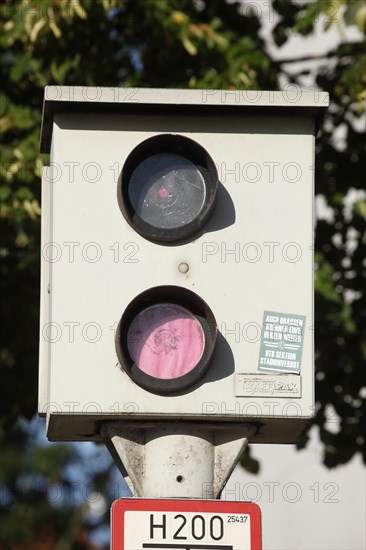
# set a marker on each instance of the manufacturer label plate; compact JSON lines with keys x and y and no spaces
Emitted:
{"x":264,"y":385}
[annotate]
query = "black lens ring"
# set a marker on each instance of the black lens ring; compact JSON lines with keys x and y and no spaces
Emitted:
{"x":169,"y":144}
{"x":184,"y":298}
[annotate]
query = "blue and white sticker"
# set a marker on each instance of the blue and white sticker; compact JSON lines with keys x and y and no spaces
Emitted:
{"x":282,"y":341}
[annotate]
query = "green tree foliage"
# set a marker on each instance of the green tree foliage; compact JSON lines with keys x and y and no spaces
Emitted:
{"x":46,"y":491}
{"x":176,"y":43}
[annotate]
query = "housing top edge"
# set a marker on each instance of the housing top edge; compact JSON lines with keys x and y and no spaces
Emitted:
{"x":202,"y":101}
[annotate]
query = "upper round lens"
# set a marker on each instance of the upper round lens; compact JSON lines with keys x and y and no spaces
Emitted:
{"x":167,"y":191}
{"x":165,"y":341}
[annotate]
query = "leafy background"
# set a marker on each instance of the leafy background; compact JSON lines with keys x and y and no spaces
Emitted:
{"x":177,"y":44}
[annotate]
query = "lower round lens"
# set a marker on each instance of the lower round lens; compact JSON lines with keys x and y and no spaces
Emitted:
{"x":165,"y":341}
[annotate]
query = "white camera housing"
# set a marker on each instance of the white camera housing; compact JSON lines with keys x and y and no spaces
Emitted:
{"x":252,"y":263}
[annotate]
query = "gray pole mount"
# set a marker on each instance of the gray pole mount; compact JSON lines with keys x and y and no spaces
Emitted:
{"x":168,"y":459}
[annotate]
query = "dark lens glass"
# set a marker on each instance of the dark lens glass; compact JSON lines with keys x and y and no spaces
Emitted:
{"x":167,"y":191}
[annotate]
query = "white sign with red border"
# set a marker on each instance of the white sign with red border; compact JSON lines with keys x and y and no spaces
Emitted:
{"x":172,"y":524}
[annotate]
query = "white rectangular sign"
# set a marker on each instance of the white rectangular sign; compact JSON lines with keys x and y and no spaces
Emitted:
{"x":140,"y":524}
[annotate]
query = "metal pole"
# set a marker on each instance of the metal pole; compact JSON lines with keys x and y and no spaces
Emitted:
{"x":176,"y":460}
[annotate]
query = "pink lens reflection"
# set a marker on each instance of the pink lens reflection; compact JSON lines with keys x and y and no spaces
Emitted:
{"x":165,"y":341}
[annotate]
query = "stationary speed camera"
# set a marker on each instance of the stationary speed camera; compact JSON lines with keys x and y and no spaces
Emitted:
{"x":177,"y":263}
